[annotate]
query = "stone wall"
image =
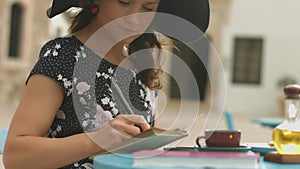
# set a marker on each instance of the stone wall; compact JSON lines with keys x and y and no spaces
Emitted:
{"x":33,"y":34}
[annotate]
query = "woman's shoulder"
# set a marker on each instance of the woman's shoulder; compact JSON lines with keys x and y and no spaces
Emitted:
{"x":57,"y":60}
{"x":59,"y":53}
{"x":69,"y":41}
{"x":60,"y":48}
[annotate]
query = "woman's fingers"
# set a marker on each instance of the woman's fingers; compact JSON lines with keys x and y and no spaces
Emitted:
{"x":108,"y":137}
{"x":130,"y":124}
{"x":126,"y":129}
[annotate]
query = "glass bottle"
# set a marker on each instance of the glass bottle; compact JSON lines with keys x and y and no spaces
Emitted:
{"x":286,"y":136}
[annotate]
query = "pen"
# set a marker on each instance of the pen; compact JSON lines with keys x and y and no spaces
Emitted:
{"x":119,"y":92}
{"x":123,"y":99}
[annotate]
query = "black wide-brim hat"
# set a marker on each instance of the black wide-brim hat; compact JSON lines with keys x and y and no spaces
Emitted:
{"x":195,"y":11}
{"x":60,"y":6}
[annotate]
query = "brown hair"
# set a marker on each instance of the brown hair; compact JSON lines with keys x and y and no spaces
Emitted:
{"x":150,"y":76}
{"x":84,"y":17}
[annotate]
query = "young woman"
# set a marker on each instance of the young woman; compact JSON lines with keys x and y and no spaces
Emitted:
{"x":57,"y":124}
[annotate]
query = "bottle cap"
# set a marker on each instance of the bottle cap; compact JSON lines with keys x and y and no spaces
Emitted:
{"x":292,"y":91}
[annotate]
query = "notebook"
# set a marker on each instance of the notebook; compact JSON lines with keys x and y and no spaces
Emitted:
{"x":148,"y":140}
{"x":190,"y":159}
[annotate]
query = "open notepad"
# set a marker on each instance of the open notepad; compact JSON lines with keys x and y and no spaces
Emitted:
{"x":148,"y":140}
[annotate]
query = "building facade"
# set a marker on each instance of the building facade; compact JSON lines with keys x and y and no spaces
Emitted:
{"x":24,"y":29}
{"x":260,"y":48}
{"x":22,"y":33}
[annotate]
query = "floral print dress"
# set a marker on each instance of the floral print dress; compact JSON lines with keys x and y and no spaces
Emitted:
{"x":90,"y":101}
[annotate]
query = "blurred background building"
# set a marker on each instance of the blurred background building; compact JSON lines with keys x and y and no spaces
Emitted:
{"x":260,"y":52}
{"x":24,"y":29}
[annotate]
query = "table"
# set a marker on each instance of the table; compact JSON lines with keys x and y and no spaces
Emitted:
{"x":114,"y":161}
{"x":3,"y":135}
{"x":268,"y":122}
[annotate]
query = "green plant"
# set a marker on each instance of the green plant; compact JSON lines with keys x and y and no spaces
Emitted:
{"x":286,"y":80}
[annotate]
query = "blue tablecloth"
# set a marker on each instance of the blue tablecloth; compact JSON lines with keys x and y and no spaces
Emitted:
{"x":115,"y":161}
{"x":3,"y":135}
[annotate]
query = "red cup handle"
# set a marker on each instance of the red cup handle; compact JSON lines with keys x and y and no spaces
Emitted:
{"x":198,"y":140}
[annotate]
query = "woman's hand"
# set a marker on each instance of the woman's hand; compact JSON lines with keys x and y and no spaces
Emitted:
{"x":118,"y":130}
{"x":130,"y":125}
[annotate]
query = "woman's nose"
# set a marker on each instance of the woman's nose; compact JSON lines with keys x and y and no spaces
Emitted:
{"x":134,"y":15}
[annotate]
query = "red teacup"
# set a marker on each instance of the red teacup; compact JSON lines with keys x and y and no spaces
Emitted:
{"x":220,"y":138}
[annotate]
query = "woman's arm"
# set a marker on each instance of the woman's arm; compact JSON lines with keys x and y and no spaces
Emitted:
{"x":26,"y":147}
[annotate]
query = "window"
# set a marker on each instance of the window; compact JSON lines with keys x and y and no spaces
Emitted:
{"x":15,"y":31}
{"x":247,"y":60}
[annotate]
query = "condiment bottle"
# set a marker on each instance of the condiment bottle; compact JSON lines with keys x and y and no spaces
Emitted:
{"x":286,"y":136}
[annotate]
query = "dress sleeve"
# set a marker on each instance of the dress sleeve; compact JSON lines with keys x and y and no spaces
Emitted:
{"x":56,"y":62}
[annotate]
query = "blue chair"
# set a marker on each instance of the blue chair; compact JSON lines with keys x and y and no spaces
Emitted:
{"x":3,"y":135}
{"x":229,"y":120}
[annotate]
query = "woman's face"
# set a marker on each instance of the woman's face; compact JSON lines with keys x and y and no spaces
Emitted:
{"x":110,"y":10}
